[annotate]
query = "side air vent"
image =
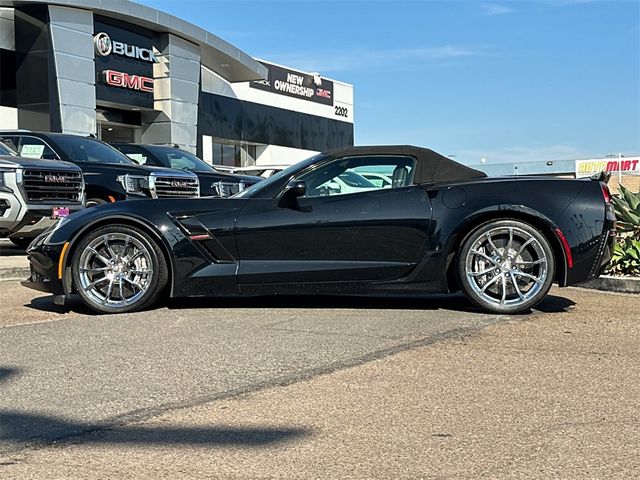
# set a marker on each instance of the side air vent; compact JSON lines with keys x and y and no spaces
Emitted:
{"x":202,"y":237}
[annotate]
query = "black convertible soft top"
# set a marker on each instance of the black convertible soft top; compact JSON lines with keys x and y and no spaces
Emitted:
{"x":430,"y":165}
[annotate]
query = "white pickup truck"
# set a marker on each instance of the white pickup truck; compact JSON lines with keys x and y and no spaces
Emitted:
{"x":35,"y":193}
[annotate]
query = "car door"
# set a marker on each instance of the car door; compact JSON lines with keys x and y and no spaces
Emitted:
{"x":360,"y":234}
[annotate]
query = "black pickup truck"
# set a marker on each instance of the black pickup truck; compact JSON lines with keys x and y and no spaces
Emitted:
{"x":109,"y":175}
{"x":213,"y":183}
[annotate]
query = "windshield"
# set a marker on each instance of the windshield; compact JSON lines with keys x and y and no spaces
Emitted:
{"x":355,"y":180}
{"x":287,"y":172}
{"x":179,"y":159}
{"x":4,"y":150}
{"x":81,"y":149}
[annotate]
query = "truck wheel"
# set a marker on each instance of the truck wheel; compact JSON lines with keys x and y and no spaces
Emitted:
{"x":506,"y":266}
{"x":118,"y":269}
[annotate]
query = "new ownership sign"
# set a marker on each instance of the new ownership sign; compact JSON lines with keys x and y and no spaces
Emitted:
{"x":624,"y":165}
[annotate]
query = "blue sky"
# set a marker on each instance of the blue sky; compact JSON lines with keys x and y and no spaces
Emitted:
{"x":508,"y":81}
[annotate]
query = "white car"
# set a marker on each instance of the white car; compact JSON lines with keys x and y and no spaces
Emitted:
{"x":380,"y":180}
{"x":347,"y":182}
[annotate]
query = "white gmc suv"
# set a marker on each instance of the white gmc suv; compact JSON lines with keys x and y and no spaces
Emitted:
{"x":35,"y":193}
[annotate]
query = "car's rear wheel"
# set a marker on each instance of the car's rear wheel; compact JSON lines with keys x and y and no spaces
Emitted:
{"x":506,"y":266}
{"x":118,"y":269}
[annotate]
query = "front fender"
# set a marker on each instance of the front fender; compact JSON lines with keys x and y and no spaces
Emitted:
{"x":72,"y":231}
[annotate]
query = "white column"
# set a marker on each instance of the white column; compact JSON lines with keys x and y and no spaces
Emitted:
{"x":72,"y":44}
{"x":177,"y":88}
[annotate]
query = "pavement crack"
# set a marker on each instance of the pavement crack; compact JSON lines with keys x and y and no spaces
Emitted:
{"x":335,"y":334}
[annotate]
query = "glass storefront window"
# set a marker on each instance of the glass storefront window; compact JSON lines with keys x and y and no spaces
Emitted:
{"x":230,"y":154}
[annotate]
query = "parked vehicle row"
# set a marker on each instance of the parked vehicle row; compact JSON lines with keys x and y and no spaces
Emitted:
{"x":101,"y":174}
{"x":212,"y":182}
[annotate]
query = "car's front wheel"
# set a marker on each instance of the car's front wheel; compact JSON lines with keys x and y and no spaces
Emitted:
{"x":506,"y":266}
{"x":118,"y":268}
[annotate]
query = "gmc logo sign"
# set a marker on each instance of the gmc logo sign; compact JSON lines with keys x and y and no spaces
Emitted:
{"x":179,"y":184}
{"x":54,"y":178}
{"x":124,"y":80}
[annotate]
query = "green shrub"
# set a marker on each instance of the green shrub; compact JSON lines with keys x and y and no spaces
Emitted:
{"x":627,"y":206}
{"x":625,"y":259}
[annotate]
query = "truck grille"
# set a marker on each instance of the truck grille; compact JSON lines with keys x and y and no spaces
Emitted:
{"x":178,"y":187}
{"x":52,"y":186}
{"x":226,"y":189}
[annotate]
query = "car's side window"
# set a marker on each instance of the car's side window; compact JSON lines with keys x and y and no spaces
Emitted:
{"x":11,"y":142}
{"x":358,"y":174}
{"x":29,"y":147}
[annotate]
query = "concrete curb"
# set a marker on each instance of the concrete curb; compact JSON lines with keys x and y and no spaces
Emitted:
{"x":14,"y":273}
{"x":614,"y":284}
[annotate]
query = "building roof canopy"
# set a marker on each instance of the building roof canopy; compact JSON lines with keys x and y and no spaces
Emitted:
{"x":228,"y":61}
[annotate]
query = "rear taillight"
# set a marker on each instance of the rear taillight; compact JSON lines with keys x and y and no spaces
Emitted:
{"x":605,"y":193}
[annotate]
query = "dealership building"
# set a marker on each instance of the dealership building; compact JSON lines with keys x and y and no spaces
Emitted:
{"x":129,"y":73}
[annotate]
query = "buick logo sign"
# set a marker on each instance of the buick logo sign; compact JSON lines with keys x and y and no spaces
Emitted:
{"x":103,"y":44}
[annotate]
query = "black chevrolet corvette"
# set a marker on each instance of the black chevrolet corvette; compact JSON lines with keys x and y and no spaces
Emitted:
{"x":320,"y":227}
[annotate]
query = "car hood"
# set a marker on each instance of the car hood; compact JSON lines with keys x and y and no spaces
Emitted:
{"x":227,"y":177}
{"x":121,"y":169}
{"x":166,"y":171}
{"x":8,"y":161}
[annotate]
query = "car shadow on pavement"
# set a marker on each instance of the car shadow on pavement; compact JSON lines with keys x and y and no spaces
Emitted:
{"x":19,"y":429}
{"x":454,"y":302}
{"x":10,"y":250}
{"x":554,"y":304}
{"x":391,"y":302}
{"x":47,"y":304}
{"x":6,"y":373}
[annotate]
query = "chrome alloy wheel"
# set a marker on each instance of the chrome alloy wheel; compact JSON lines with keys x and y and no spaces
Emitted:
{"x":506,"y":266}
{"x":115,"y":270}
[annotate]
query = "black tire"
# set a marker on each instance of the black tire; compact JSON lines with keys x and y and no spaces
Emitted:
{"x":118,"y":276}
{"x":505,"y":266}
{"x":92,"y":202}
{"x":21,"y":242}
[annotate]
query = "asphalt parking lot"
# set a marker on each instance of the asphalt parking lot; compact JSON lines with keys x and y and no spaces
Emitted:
{"x":71,"y":371}
{"x":320,"y":387}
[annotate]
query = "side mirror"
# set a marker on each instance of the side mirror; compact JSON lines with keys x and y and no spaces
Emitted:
{"x":296,"y":189}
{"x":292,"y":192}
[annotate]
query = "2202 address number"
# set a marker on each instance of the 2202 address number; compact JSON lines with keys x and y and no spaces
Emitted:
{"x":342,"y":111}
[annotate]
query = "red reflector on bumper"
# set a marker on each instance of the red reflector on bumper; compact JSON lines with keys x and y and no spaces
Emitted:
{"x":566,"y":247}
